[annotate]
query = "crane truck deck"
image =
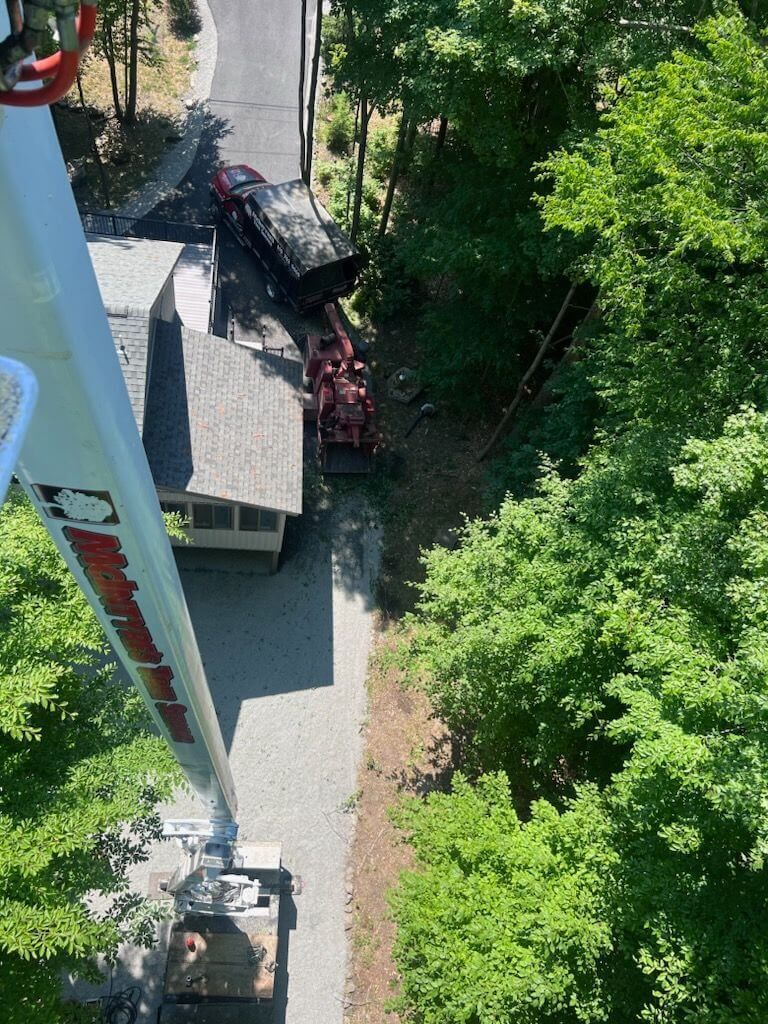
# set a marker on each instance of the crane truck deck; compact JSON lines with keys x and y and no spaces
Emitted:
{"x":83,"y":467}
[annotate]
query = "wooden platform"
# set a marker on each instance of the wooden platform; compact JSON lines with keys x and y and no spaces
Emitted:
{"x":225,"y":965}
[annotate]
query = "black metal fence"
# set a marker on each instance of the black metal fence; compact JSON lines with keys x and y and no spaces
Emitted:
{"x":157,"y":230}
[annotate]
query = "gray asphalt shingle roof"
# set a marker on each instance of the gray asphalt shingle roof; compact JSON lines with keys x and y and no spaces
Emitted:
{"x":224,"y":420}
{"x":130,"y":329}
{"x":132,"y":270}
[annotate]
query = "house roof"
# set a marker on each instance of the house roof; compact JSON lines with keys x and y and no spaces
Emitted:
{"x":130,"y":328}
{"x":224,"y":420}
{"x":296,"y":216}
{"x":132,"y":271}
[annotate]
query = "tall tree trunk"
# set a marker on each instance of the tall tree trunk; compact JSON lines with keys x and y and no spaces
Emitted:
{"x":133,"y":63}
{"x":94,"y":147}
{"x":125,"y":50}
{"x":365,"y":116}
{"x":302,"y":79}
{"x":357,"y":125}
{"x":109,"y":52}
{"x":313,"y":94}
{"x":394,"y":174}
{"x":428,"y":179}
{"x":440,"y":140}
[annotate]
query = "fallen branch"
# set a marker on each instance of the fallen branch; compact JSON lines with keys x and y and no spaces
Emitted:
{"x":664,"y":26}
{"x":522,"y":387}
{"x":570,"y":355}
{"x":371,"y":848}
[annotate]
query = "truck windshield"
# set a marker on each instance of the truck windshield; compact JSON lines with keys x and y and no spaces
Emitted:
{"x":243,"y":186}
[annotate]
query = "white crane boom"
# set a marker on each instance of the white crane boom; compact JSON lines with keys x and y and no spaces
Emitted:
{"x":84,"y":468}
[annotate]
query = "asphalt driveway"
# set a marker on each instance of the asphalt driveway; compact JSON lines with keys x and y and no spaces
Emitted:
{"x":253,"y":119}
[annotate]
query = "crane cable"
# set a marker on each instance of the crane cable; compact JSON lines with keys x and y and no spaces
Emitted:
{"x":75,"y":35}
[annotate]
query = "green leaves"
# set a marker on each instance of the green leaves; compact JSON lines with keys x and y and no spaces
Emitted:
{"x":80,"y":777}
{"x":503,"y":921}
{"x":604,"y":640}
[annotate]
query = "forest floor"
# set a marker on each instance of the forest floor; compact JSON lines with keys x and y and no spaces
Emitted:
{"x":128,"y":154}
{"x":425,"y":485}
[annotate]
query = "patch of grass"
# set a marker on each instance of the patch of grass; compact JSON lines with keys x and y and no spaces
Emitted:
{"x":348,"y":805}
{"x":364,"y":940}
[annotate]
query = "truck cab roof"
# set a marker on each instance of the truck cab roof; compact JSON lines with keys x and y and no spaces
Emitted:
{"x":238,"y":180}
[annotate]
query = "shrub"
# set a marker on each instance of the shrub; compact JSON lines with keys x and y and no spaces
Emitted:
{"x":339,"y":129}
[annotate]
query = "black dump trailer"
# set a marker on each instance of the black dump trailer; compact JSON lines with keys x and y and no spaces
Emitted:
{"x":308,"y":259}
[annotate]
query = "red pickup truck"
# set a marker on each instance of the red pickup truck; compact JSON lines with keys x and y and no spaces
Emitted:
{"x":307,"y":258}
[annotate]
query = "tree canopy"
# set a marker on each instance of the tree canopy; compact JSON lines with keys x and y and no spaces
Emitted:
{"x":508,"y":83}
{"x":602,"y":640}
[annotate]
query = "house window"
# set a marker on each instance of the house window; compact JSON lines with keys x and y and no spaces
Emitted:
{"x":211,"y":517}
{"x":179,"y":507}
{"x":261,"y":519}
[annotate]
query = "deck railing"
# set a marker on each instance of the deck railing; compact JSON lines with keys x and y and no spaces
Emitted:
{"x":157,"y":230}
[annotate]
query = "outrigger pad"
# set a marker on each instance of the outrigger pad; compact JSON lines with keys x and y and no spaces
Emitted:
{"x":346,"y":459}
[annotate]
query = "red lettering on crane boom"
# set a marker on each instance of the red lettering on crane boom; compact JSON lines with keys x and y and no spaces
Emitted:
{"x":100,"y":556}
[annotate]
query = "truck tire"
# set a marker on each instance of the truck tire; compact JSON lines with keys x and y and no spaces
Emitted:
{"x":272,"y":290}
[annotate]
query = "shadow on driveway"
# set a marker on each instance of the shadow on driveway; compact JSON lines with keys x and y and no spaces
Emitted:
{"x":262,"y":636}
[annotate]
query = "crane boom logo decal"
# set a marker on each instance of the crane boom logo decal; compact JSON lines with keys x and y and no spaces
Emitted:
{"x":76,"y":504}
{"x":104,"y":565}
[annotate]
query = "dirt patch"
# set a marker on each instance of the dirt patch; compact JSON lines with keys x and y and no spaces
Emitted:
{"x":425,"y":485}
{"x":407,"y":751}
{"x":428,"y":482}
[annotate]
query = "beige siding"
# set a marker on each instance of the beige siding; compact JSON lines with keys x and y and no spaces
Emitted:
{"x":228,"y":540}
{"x":168,"y":301}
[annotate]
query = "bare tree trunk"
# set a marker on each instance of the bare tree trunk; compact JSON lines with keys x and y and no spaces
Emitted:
{"x":133,"y":63}
{"x":428,"y":179}
{"x":302,"y":79}
{"x":94,"y":147}
{"x":125,"y":51}
{"x":394,"y":174}
{"x":365,"y":116}
{"x":522,"y":387}
{"x":357,"y":126}
{"x":440,"y":140}
{"x":109,"y":51}
{"x":313,"y":94}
